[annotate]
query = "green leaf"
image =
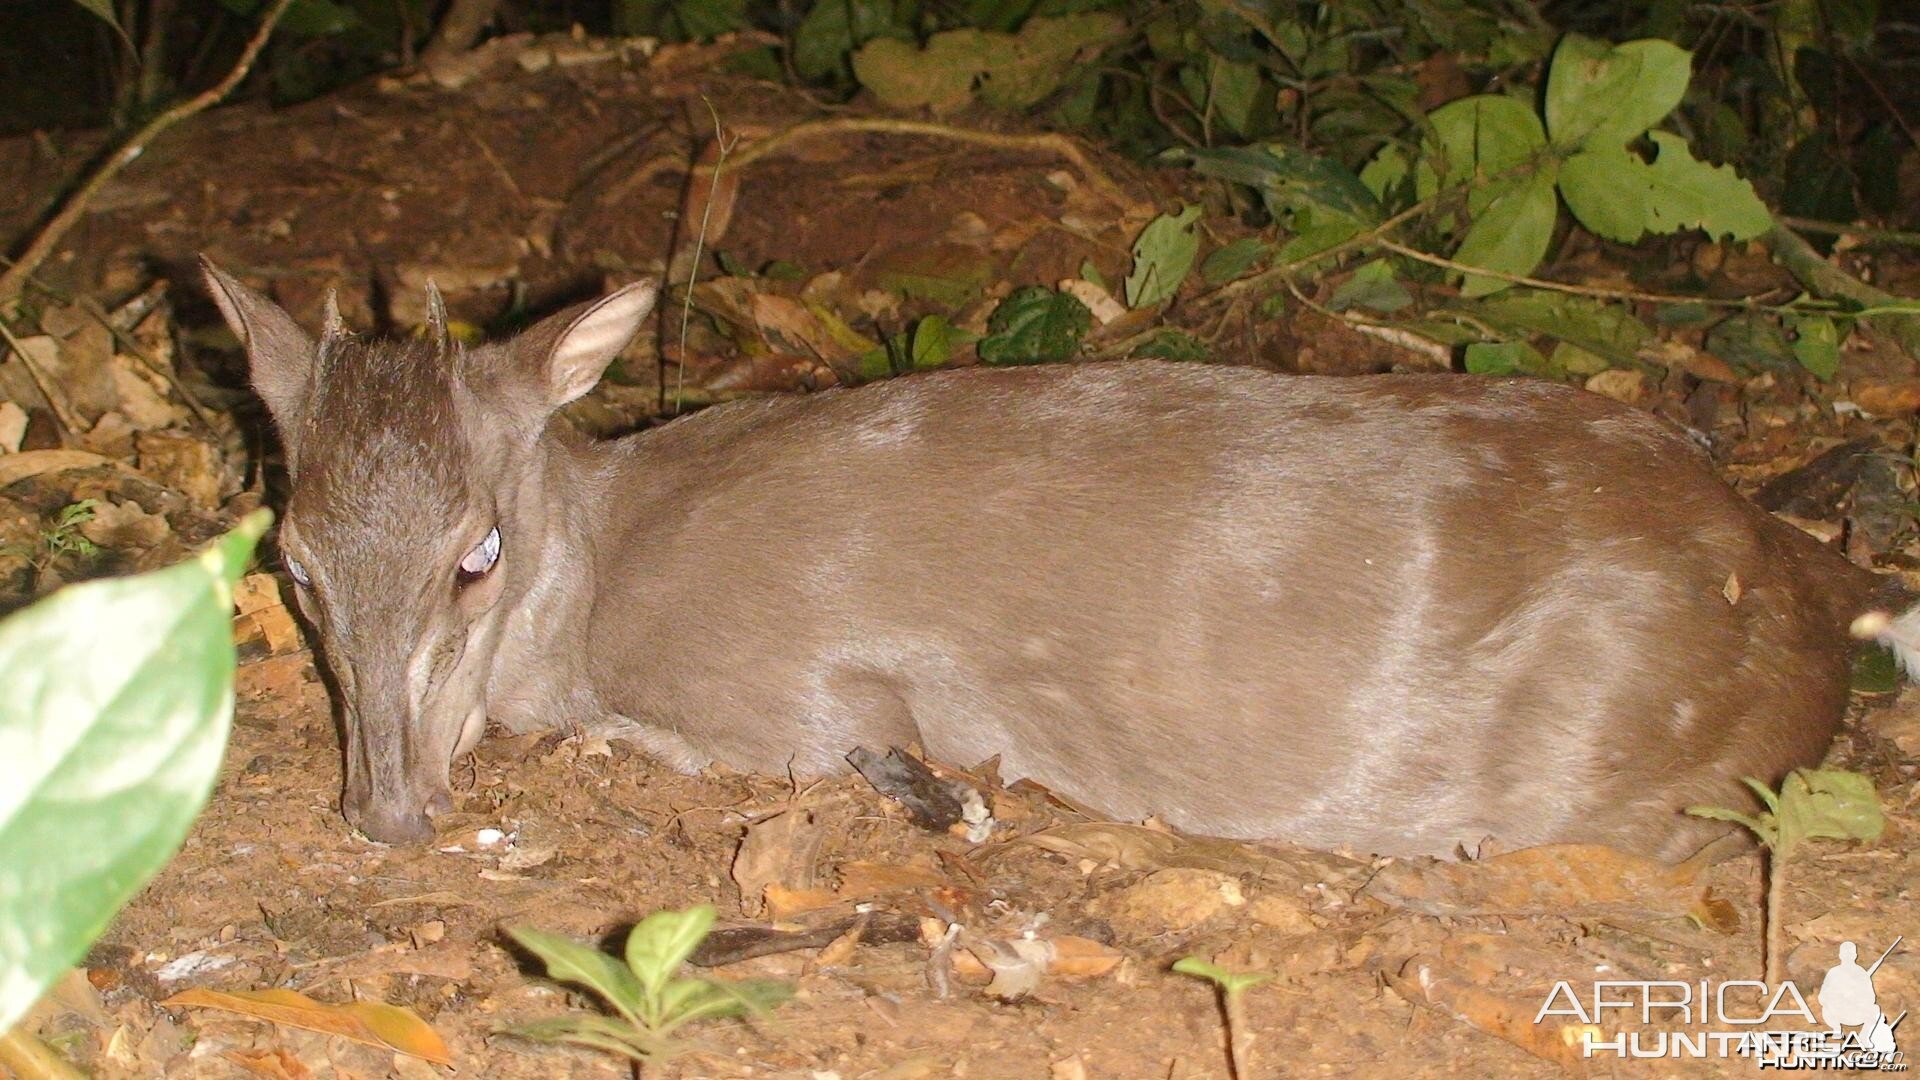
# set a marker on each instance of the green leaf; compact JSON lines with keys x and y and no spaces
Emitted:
{"x":1019,"y":70}
{"x":1760,"y":826}
{"x":1235,"y":94}
{"x":1752,"y":342}
{"x":1511,"y":235}
{"x":1502,"y":358}
{"x":833,"y":29}
{"x":1293,"y":183}
{"x":685,"y":1001}
{"x":1475,"y":139}
{"x":662,"y":942}
{"x":598,"y":1033}
{"x":1374,"y":286}
{"x":1225,"y":264}
{"x":571,"y":961}
{"x":1606,"y":330}
{"x":118,"y":698}
{"x":1233,"y":982}
{"x":1162,"y":257}
{"x":1170,"y":344}
{"x":1877,"y":671}
{"x":1817,"y":346}
{"x":1035,"y":325}
{"x":1688,"y":193}
{"x":1827,"y":804}
{"x":939,"y":77}
{"x":1601,"y":95}
{"x":932,"y":342}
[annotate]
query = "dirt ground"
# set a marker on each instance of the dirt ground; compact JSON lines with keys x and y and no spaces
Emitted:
{"x":520,"y":189}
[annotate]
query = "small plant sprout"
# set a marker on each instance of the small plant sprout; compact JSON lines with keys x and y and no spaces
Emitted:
{"x":1232,"y":985}
{"x":1831,"y":804}
{"x":651,"y":1000}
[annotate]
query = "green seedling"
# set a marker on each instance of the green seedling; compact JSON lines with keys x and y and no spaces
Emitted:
{"x":1232,"y":985}
{"x":1831,"y":804}
{"x":651,"y":1000}
{"x":61,"y":538}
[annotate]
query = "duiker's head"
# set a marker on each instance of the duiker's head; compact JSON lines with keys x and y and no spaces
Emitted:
{"x":418,"y":518}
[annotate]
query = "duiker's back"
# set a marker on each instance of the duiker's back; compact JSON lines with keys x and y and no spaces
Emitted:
{"x":1397,"y":614}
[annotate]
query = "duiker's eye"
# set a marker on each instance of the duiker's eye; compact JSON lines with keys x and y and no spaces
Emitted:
{"x":482,"y":557}
{"x":299,"y":572}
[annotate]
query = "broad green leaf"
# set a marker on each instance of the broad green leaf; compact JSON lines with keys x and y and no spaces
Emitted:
{"x":1476,"y":139}
{"x":1021,"y":69}
{"x":1601,"y":95}
{"x":1235,"y":94}
{"x":1817,"y":346}
{"x":1035,"y":325}
{"x":1291,"y":182}
{"x":1510,"y":235}
{"x":1752,"y":342}
{"x":1688,"y":193}
{"x":1162,"y":257}
{"x":1373,"y":286}
{"x":1225,"y":264}
{"x":103,"y":10}
{"x":1606,"y":330}
{"x":939,"y":77}
{"x":932,"y":342}
{"x":1386,"y":171}
{"x":1607,"y":190}
{"x":685,"y":1001}
{"x":662,"y":942}
{"x":572,"y":961}
{"x":118,"y":698}
{"x":833,"y":29}
{"x":1829,"y":804}
{"x":1502,"y":358}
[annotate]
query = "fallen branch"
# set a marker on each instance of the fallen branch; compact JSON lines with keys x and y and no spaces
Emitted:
{"x":14,"y":279}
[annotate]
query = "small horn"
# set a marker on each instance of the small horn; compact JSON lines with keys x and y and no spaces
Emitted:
{"x":331,"y":329}
{"x":437,"y":320}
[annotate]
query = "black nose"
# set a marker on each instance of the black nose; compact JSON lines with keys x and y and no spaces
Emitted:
{"x":393,"y":824}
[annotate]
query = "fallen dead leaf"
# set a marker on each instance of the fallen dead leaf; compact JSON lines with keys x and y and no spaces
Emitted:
{"x":374,"y":1023}
{"x":17,"y":467}
{"x":1552,"y":879}
{"x":777,"y":850}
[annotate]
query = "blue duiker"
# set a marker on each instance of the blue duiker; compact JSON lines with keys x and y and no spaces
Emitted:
{"x":1395,"y":614}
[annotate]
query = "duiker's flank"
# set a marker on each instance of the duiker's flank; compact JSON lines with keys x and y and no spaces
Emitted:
{"x":1399,"y":614}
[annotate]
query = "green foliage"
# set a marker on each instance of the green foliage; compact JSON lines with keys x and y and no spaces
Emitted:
{"x":1232,"y":983}
{"x":1162,"y":257}
{"x":62,"y":538}
{"x":118,"y":698}
{"x":1831,"y":804}
{"x":1002,"y":71}
{"x":1035,"y":325}
{"x":651,"y":1000}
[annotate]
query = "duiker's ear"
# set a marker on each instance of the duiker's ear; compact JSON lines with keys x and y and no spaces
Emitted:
{"x":567,"y":352}
{"x":280,"y":355}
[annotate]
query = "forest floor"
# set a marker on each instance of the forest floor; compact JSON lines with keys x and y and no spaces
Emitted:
{"x":520,"y":189}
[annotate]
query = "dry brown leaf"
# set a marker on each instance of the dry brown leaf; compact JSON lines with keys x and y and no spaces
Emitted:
{"x":13,"y":427}
{"x":17,"y":467}
{"x":1430,"y":982}
{"x":1882,"y":398}
{"x":1552,"y":879}
{"x":1669,"y":353}
{"x":275,"y":1064}
{"x":778,"y":849}
{"x":784,"y":903}
{"x":866,"y":880}
{"x":374,"y":1023}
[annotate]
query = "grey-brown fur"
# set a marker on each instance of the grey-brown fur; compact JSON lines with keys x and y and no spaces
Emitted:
{"x":1398,"y":614}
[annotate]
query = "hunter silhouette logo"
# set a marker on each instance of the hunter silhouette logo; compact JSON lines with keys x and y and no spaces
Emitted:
{"x":1847,"y":1000}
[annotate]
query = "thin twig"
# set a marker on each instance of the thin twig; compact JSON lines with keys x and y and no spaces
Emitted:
{"x":699,"y":241}
{"x":13,"y":279}
{"x":61,"y":411}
